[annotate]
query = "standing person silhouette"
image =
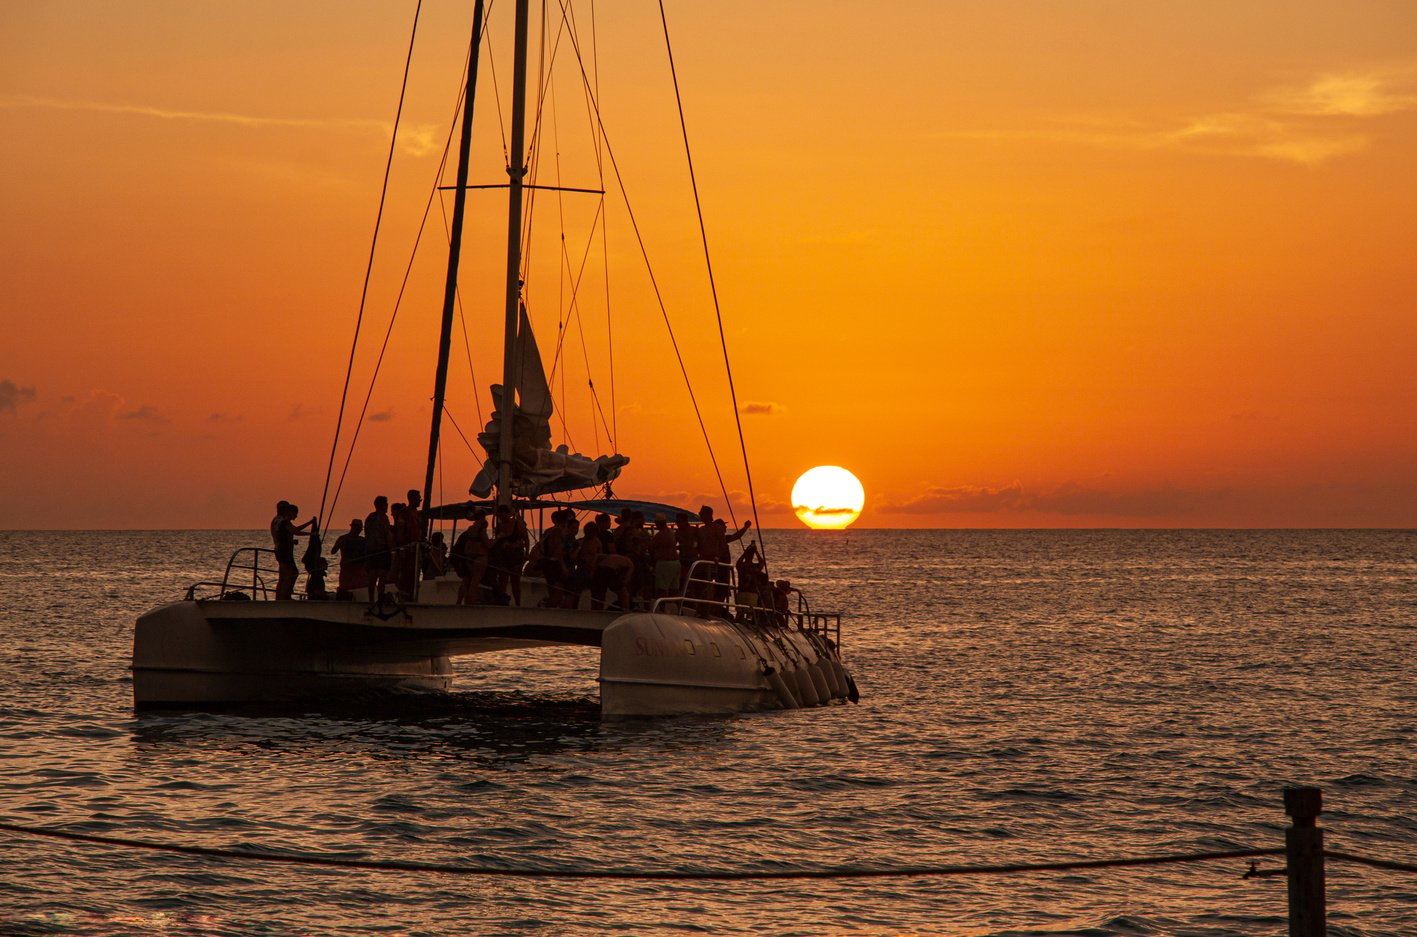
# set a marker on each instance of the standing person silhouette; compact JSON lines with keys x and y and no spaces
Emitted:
{"x":509,"y":553}
{"x":283,"y":534}
{"x":351,"y":548}
{"x":469,"y":557}
{"x":379,"y":540}
{"x":664,"y":550}
{"x":408,"y":534}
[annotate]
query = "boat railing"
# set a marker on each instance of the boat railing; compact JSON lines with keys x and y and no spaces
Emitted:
{"x":827,"y":624}
{"x":709,"y":595}
{"x":700,"y":593}
{"x":824,"y":623}
{"x":244,"y":562}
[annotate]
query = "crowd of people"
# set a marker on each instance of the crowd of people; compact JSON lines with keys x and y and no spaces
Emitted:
{"x":626,"y":563}
{"x":621,"y":564}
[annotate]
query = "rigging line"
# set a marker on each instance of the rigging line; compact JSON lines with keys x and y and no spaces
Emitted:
{"x":496,"y":91}
{"x":561,"y":412}
{"x":590,"y":382}
{"x":595,"y":399}
{"x":600,"y":207}
{"x":560,"y":339}
{"x":829,"y":872}
{"x":544,"y":86}
{"x":568,"y":14}
{"x":575,"y":292}
{"x":447,"y":230}
{"x":713,"y":286}
{"x":369,"y":268}
{"x":614,"y":428}
{"x":467,"y":346}
{"x":462,"y":320}
{"x":533,"y":153}
{"x":527,"y":160}
{"x":605,"y":247}
{"x":532,"y":163}
{"x":565,"y":262}
{"x":403,"y":287}
{"x":470,"y":447}
{"x":654,"y":282}
{"x":609,"y":335}
{"x":530,"y":159}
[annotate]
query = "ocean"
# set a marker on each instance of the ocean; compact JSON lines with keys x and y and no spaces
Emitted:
{"x":1027,"y":696}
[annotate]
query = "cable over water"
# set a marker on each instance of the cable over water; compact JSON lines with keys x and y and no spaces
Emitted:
{"x":1371,"y":863}
{"x":831,"y":872}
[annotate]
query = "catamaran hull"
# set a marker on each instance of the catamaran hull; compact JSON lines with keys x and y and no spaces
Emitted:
{"x":213,"y":653}
{"x":184,"y":657}
{"x":668,"y":664}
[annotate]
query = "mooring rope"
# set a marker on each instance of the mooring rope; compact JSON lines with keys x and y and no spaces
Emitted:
{"x":1372,"y":863}
{"x":831,"y":872}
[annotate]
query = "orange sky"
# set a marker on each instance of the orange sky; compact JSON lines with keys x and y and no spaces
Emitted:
{"x":1015,"y":264}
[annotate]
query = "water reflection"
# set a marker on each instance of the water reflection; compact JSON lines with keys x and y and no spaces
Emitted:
{"x":485,"y":727}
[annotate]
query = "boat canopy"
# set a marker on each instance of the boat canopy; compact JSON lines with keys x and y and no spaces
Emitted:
{"x":611,"y":506}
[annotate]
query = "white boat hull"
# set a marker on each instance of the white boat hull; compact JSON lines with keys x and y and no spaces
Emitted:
{"x":218,"y":653}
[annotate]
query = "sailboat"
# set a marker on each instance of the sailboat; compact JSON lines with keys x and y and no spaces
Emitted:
{"x":709,"y":647}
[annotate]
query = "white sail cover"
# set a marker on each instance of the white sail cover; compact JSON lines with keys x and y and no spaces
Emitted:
{"x":537,"y":469}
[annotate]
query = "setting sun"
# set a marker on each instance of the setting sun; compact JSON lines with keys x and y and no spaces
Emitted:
{"x":828,"y":497}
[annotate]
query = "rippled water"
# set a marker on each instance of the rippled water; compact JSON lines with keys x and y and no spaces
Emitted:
{"x":1027,"y":696}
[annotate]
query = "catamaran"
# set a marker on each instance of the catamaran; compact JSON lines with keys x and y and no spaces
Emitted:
{"x":707,"y":647}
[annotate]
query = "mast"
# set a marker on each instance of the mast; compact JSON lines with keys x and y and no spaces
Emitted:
{"x":516,"y":169}
{"x":450,"y":289}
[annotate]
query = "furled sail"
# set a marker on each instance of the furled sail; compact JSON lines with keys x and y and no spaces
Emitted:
{"x":537,"y":469}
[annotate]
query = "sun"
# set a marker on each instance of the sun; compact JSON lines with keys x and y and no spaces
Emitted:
{"x":828,"y":497}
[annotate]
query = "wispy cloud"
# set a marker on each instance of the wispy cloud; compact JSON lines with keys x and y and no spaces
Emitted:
{"x":418,"y":140}
{"x":1068,"y":499}
{"x":224,"y":418}
{"x":1349,"y":94}
{"x":1308,"y":124}
{"x":12,"y":395}
{"x":962,"y":499}
{"x":1255,"y":135}
{"x":146,"y":414}
{"x":382,"y":416}
{"x":821,"y":509}
{"x":752,"y":408}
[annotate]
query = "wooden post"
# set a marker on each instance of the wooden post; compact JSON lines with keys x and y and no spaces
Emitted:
{"x":1304,"y":853}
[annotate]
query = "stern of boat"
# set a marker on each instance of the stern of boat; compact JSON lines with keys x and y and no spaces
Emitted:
{"x":183,"y":656}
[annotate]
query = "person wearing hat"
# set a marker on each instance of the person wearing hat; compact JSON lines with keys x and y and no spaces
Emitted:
{"x":781,"y":604}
